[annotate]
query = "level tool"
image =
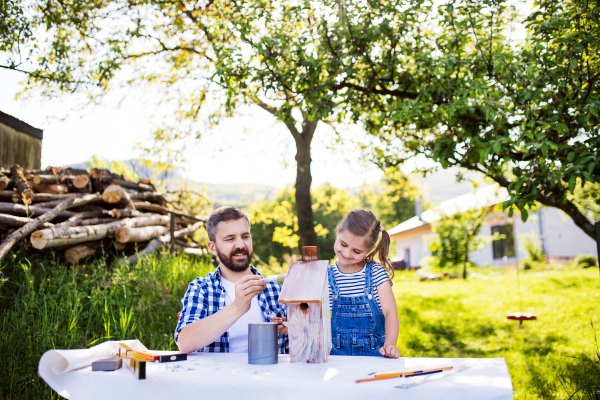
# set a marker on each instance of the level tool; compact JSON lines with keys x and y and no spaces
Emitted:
{"x":137,"y":361}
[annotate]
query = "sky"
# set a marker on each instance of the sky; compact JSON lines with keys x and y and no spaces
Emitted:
{"x":249,"y":148}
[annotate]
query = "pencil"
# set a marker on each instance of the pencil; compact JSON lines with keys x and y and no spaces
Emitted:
{"x":396,"y":374}
{"x":401,"y":374}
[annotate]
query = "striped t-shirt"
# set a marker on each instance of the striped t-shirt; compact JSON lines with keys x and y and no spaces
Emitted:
{"x":354,"y":284}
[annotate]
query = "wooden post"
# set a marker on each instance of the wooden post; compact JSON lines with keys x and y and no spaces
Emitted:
{"x":172,"y":231}
{"x":309,"y":253}
{"x":598,"y":243}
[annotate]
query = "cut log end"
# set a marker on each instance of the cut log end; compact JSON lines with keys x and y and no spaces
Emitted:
{"x":115,"y":194}
{"x":4,"y":181}
{"x":123,"y":234}
{"x":81,"y":181}
{"x":77,"y":253}
{"x":39,"y":240}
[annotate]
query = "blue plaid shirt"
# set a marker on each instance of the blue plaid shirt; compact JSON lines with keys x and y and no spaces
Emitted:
{"x":206,"y":296}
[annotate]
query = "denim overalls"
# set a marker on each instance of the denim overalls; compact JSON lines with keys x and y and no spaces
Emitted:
{"x":357,"y":323}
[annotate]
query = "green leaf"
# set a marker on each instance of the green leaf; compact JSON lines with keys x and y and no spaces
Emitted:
{"x":497,"y":148}
{"x":524,"y":214}
{"x":561,"y":128}
{"x":588,"y":177}
{"x":572,"y":184}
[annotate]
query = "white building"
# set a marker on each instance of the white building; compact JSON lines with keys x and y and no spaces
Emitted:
{"x":560,"y":238}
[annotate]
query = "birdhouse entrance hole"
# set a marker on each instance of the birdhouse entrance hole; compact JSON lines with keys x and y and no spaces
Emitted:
{"x":304,"y":306}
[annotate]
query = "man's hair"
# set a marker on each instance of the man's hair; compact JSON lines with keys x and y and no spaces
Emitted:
{"x":221,"y":214}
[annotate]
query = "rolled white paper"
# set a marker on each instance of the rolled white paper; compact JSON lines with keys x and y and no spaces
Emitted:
{"x":55,"y":363}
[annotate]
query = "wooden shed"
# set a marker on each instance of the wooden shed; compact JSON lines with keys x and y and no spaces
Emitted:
{"x":306,"y":293}
{"x":20,"y":143}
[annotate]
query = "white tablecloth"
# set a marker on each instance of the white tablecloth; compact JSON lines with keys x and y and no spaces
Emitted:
{"x":229,"y":376}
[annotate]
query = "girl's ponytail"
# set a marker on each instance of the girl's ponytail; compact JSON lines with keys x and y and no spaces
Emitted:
{"x":382,"y":250}
{"x":365,"y":224}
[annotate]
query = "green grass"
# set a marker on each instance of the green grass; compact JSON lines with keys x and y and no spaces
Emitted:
{"x":547,"y":359}
{"x":46,"y":304}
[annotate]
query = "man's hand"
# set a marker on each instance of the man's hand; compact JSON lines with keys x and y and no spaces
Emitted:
{"x":281,"y":329}
{"x":245,"y":289}
{"x":390,"y":351}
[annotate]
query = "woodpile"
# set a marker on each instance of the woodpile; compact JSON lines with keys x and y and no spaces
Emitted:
{"x":77,"y":212}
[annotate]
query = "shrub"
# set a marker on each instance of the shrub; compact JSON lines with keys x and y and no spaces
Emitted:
{"x":586,"y":261}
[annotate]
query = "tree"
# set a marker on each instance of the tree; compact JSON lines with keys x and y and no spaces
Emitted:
{"x":392,"y":199}
{"x":275,"y":225}
{"x":456,"y":237}
{"x":458,"y":91}
{"x":208,"y":58}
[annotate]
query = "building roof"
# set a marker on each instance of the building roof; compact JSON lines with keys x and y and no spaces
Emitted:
{"x":21,"y":126}
{"x":483,"y":197}
{"x":305,"y":282}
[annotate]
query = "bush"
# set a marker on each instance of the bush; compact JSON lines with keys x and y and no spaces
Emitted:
{"x":535,"y":253}
{"x":586,"y":261}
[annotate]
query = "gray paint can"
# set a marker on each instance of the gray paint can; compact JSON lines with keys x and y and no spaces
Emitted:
{"x":262,"y":343}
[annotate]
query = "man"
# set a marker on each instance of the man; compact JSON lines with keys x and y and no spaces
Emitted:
{"x":217,"y":308}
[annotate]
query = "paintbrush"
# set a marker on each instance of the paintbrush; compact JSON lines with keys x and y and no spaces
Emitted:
{"x":274,"y":316}
{"x":274,"y":278}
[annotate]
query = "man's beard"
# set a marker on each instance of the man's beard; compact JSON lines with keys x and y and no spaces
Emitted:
{"x":231,"y":263}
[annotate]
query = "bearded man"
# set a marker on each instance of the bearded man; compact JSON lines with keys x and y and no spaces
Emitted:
{"x":216,"y":309}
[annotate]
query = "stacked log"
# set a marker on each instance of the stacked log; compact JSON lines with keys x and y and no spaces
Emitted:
{"x":78,"y":211}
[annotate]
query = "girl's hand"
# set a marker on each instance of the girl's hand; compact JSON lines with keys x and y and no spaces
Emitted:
{"x":281,"y":329}
{"x":390,"y":351}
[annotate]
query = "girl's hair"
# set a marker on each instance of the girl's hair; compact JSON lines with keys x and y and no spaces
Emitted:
{"x":365,"y":224}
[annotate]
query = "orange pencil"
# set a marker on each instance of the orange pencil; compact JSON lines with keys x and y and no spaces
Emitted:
{"x":400,"y":374}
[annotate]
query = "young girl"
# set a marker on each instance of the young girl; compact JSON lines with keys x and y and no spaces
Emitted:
{"x":364,"y":320}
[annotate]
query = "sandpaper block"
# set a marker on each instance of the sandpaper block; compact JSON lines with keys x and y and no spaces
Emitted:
{"x":171,"y":357}
{"x":109,"y":364}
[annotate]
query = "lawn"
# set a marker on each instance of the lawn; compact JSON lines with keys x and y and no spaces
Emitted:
{"x":547,"y":359}
{"x":46,"y":304}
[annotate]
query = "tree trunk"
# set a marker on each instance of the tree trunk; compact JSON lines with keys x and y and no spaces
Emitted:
{"x":4,"y":181}
{"x":116,"y":194}
{"x":37,"y":197}
{"x":155,"y":197}
{"x":23,"y":189}
{"x":31,"y":211}
{"x":127,"y":234}
{"x":123,"y":212}
{"x":68,"y":235}
{"x":79,"y":181}
{"x":157,"y":243}
{"x":77,"y":253}
{"x":306,"y":226}
{"x":568,"y":207}
{"x":36,"y":223}
{"x":11,"y":220}
{"x":50,"y":189}
{"x":164,"y":210}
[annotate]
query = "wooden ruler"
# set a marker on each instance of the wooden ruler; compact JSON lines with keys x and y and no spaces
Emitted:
{"x":137,"y":361}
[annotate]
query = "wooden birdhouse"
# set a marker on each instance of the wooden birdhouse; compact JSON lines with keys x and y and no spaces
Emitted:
{"x":306,"y":293}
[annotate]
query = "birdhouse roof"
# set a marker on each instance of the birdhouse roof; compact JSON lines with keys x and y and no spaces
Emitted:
{"x":305,"y":282}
